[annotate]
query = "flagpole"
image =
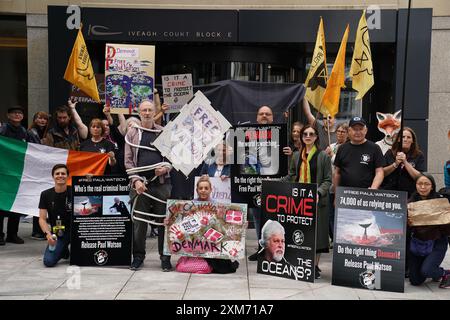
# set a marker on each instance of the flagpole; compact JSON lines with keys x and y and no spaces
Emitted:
{"x":404,"y":76}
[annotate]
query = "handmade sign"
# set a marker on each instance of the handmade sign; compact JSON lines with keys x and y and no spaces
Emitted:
{"x":177,"y":91}
{"x":187,"y":140}
{"x":205,"y":229}
{"x":129,"y":76}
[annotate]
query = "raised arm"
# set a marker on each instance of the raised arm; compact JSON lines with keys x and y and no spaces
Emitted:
{"x":107,"y":113}
{"x":307,"y":110}
{"x":82,"y":128}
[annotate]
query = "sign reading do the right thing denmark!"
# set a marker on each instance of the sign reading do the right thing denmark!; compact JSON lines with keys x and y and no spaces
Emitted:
{"x":370,"y":233}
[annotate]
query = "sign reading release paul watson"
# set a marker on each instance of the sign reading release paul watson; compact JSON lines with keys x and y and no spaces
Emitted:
{"x":101,"y":223}
{"x":288,"y":233}
{"x":369,"y":246}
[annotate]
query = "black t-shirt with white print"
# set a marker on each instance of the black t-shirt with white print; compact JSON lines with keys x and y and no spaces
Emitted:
{"x":357,"y":163}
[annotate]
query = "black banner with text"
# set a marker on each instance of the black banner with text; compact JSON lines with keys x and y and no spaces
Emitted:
{"x":289,"y":218}
{"x":101,"y":222}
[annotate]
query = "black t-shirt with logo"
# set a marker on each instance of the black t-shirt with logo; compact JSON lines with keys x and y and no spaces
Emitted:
{"x":357,"y":163}
{"x":103,"y":146}
{"x":57,"y":204}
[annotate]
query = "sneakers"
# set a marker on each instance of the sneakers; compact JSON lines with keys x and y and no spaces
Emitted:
{"x":445,"y":280}
{"x":15,"y":239}
{"x":2,"y":241}
{"x":38,"y":236}
{"x":253,"y":257}
{"x":136,"y":264}
{"x":166,"y":266}
{"x":317,"y":273}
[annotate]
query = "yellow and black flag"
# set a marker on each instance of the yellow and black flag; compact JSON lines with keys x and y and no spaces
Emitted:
{"x":361,"y":70}
{"x":316,"y":81}
{"x":336,"y":81}
{"x":79,"y":69}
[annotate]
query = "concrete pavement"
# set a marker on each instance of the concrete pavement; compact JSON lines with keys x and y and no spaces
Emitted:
{"x":23,"y":276}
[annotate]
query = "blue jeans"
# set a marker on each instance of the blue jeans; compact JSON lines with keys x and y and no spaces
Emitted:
{"x":421,"y":268}
{"x":51,"y":258}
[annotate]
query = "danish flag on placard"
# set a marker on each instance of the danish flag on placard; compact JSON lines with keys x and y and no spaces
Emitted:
{"x":213,"y":235}
{"x":234,"y":217}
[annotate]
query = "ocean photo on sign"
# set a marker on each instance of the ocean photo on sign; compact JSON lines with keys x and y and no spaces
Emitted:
{"x":369,"y":228}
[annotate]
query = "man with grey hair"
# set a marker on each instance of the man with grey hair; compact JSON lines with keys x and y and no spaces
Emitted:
{"x":273,"y":241}
{"x":150,"y":184}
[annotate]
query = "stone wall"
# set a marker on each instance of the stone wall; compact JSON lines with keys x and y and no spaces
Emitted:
{"x":439,"y":114}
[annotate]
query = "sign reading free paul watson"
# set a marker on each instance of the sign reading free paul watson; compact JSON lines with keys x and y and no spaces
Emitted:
{"x":101,"y":223}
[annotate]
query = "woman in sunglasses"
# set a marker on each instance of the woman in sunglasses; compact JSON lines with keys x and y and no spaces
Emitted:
{"x":311,"y":165}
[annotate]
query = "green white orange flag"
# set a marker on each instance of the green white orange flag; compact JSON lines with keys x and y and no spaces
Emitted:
{"x":361,"y":70}
{"x":79,"y":69}
{"x":316,"y":81}
{"x":337,"y":79}
{"x":26,"y":171}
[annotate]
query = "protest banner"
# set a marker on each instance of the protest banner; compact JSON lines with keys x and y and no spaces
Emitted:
{"x":129,"y":76}
{"x":221,"y":190}
{"x":101,"y":231}
{"x":289,"y":219}
{"x":205,"y":229}
{"x":370,"y":238}
{"x":187,"y":140}
{"x":258,"y":154}
{"x":177,"y":91}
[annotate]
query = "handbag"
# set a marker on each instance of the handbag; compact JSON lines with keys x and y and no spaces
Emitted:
{"x":193,"y":265}
{"x":421,"y":248}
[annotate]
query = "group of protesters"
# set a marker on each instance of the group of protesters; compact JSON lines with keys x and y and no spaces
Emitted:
{"x":320,"y":152}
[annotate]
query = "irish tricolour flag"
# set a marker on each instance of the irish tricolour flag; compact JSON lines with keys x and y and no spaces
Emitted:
{"x":26,"y":171}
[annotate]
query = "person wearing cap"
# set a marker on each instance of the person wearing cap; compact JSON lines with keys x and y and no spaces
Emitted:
{"x":13,"y":129}
{"x":359,"y":163}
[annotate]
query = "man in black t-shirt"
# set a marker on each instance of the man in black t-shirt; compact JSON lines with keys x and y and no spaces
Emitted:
{"x":56,"y":206}
{"x":359,"y":163}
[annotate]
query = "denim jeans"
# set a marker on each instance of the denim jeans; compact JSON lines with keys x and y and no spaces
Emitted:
{"x":51,"y":258}
{"x":421,"y":268}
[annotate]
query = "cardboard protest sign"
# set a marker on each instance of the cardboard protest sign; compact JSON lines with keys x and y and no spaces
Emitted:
{"x":205,"y":229}
{"x":101,"y":223}
{"x":258,"y":154}
{"x":187,"y":140}
{"x":221,"y":190}
{"x":370,"y":238}
{"x":429,"y":212}
{"x":289,"y":219}
{"x":129,"y":76}
{"x":177,"y":91}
